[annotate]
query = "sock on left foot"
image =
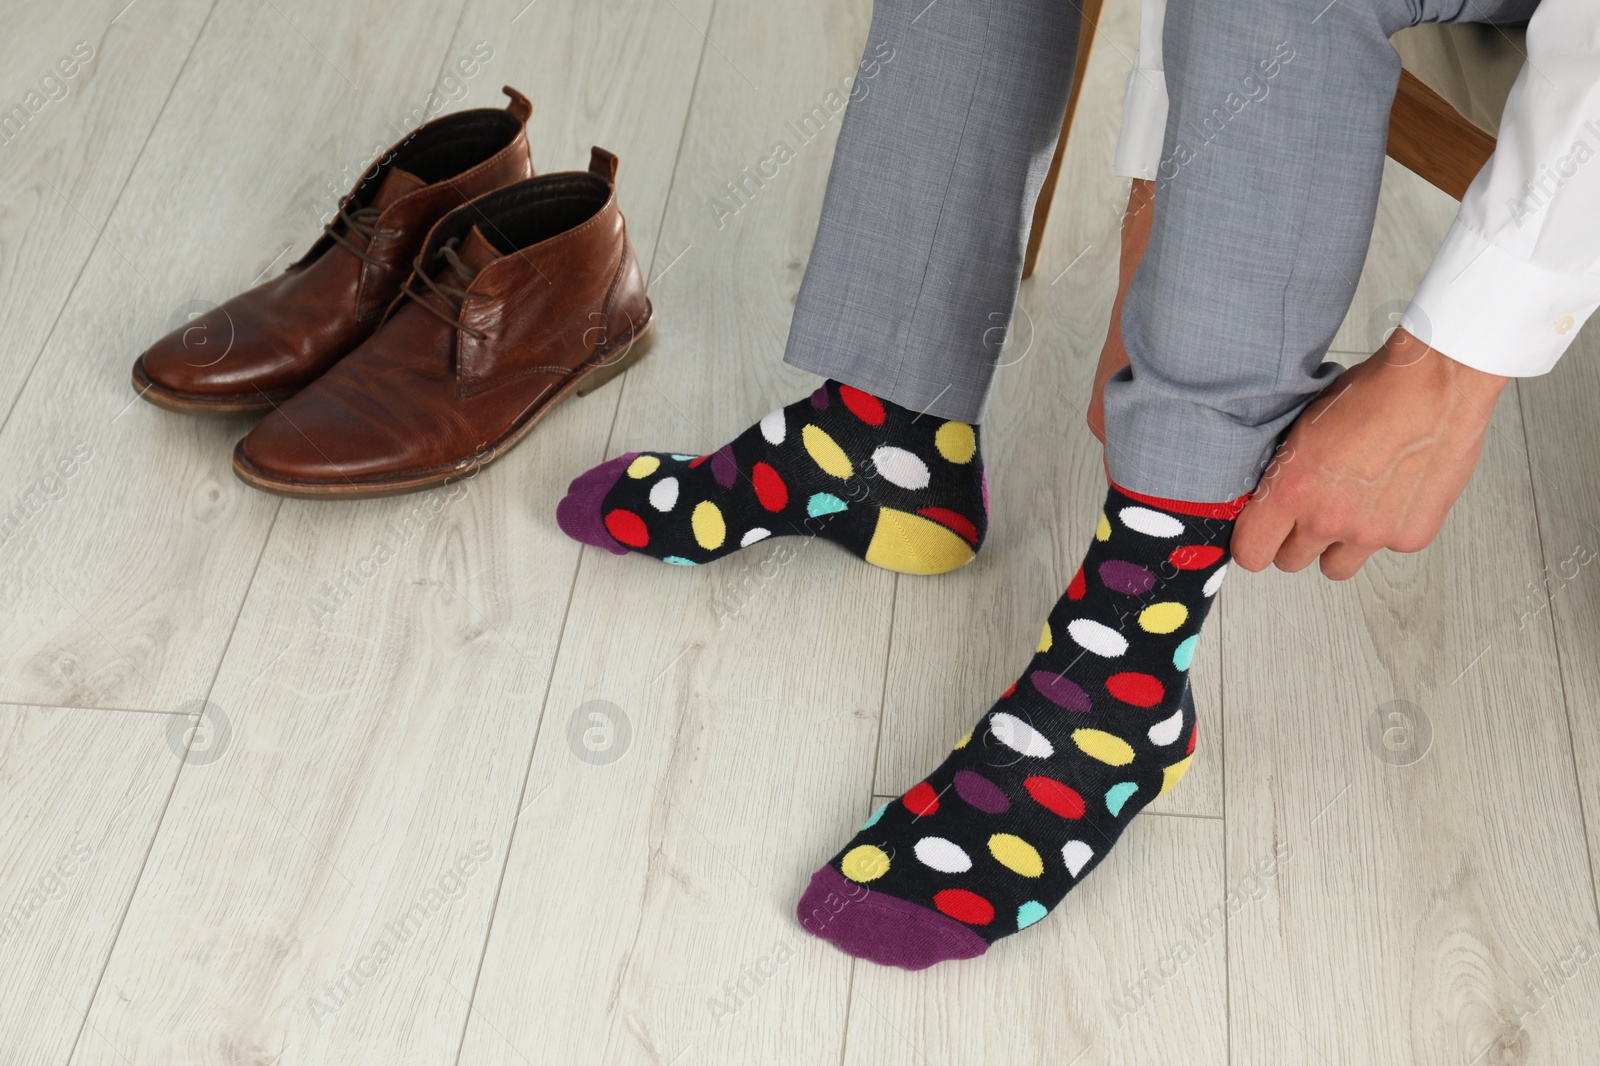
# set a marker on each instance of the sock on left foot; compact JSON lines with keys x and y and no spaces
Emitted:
{"x":1031,"y":800}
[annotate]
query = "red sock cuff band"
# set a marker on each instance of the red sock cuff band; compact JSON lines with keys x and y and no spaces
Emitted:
{"x":1229,"y":510}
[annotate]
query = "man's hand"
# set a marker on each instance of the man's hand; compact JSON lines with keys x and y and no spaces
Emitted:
{"x":1375,"y":462}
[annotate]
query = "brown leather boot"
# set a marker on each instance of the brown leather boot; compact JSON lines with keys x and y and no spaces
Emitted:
{"x":519,"y":299}
{"x":280,"y":336}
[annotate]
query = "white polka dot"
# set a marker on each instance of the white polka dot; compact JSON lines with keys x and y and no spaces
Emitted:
{"x":664,"y":494}
{"x":1100,"y":639}
{"x":900,"y":467}
{"x":754,"y":535}
{"x":1214,"y":582}
{"x":943,"y":855}
{"x":1166,"y":731}
{"x":1076,"y":854}
{"x":773,"y":427}
{"x":1152,"y":523}
{"x":1019,"y":736}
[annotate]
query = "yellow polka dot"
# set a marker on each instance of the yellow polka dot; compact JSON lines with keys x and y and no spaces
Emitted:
{"x":1102,"y":529}
{"x":644,"y":466}
{"x":709,"y":528}
{"x":1045,"y":639}
{"x":910,"y":544}
{"x":964,"y":741}
{"x":1016,"y":855}
{"x":864,"y":863}
{"x":1162,"y":617}
{"x":1103,"y":746}
{"x":956,"y":442}
{"x":1174,"y":773}
{"x":825,"y":453}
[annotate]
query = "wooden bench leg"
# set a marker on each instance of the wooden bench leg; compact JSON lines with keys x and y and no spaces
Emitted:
{"x":1041,"y":210}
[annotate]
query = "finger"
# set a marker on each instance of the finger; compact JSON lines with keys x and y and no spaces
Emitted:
{"x":1258,"y":534}
{"x":1299,"y":550}
{"x":1342,"y":561}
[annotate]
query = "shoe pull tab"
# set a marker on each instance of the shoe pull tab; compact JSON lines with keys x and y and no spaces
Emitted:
{"x":520,"y":107}
{"x":603,"y":164}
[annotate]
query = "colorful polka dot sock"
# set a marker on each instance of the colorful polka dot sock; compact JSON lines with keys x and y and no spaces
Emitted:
{"x":1031,"y":800}
{"x":902,"y":490}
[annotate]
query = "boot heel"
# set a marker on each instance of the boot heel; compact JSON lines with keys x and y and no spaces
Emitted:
{"x":619,"y":360}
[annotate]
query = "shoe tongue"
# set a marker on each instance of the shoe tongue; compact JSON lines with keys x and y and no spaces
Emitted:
{"x":396,"y":184}
{"x":475,"y":251}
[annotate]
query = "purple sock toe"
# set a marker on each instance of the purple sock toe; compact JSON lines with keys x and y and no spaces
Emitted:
{"x":578,"y":513}
{"x":880,"y":928}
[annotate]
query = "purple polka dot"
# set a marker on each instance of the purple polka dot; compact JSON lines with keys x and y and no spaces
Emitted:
{"x":723,"y":468}
{"x":819,"y":399}
{"x":981,"y":792}
{"x":985,"y":484}
{"x":1126,"y":577}
{"x":1059,"y":691}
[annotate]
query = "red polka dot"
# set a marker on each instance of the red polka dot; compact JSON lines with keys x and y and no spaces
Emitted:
{"x":698,"y":460}
{"x":1194,"y":556}
{"x":921,"y":800}
{"x":628,"y":528}
{"x":1141,"y":690}
{"x":1053,"y":796}
{"x":863,"y":405}
{"x":946,"y":517}
{"x":964,"y":906}
{"x":770,"y":489}
{"x":1077,"y":587}
{"x":1009,"y":691}
{"x":1192,"y":734}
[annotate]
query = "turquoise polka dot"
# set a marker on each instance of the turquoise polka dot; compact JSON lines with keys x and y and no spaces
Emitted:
{"x":682,"y":458}
{"x":1117,"y":795}
{"x":824,"y":503}
{"x":1185,"y":653}
{"x":678,"y":560}
{"x":1029,"y":913}
{"x":872,"y":821}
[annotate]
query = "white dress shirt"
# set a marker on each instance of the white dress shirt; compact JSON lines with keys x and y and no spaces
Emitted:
{"x":1519,"y":271}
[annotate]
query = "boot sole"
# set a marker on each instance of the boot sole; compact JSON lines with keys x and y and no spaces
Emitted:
{"x":185,"y":403}
{"x":619,"y":358}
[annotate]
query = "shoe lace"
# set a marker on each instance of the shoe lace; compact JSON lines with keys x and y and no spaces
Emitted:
{"x":363,"y":222}
{"x":450,"y":295}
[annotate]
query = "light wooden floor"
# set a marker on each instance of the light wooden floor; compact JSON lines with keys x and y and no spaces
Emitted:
{"x":388,"y":840}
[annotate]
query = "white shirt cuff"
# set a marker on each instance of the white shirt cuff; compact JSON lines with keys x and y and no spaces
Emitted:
{"x":1494,"y":312}
{"x":1144,"y":124}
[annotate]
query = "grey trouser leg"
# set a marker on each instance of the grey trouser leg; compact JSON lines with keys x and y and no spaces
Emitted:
{"x":1264,"y":207}
{"x":914,"y":272}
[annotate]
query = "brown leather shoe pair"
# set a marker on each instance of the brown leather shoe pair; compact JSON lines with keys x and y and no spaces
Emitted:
{"x":452,"y":302}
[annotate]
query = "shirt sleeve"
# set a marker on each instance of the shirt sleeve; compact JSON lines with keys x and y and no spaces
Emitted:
{"x":1519,"y":271}
{"x":1144,"y":103}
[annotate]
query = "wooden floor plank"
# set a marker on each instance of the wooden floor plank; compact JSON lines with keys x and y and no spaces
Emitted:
{"x":82,"y":793}
{"x":1130,"y":970}
{"x":123,"y":591}
{"x":90,"y":80}
{"x":1564,"y":461}
{"x":648,"y":905}
{"x":388,"y":674}
{"x":1416,"y":759}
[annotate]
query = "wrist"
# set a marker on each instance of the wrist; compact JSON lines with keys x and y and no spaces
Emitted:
{"x":1408,"y":362}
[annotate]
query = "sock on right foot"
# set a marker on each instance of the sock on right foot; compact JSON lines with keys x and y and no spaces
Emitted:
{"x":902,"y":490}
